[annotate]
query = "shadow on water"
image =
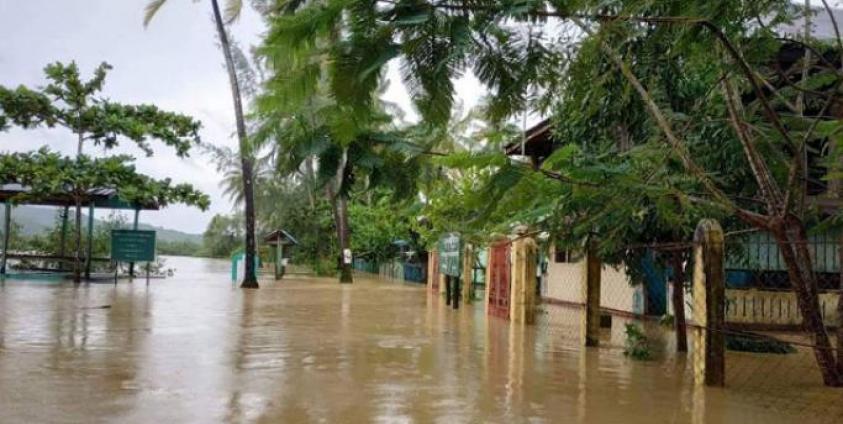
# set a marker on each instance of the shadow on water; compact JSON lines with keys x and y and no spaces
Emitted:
{"x":193,"y":348}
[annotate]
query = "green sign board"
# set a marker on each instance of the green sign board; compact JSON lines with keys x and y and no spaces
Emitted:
{"x":450,"y":255}
{"x":132,"y":245}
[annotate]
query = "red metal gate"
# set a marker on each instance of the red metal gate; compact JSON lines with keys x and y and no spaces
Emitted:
{"x":434,"y":275}
{"x":499,"y":267}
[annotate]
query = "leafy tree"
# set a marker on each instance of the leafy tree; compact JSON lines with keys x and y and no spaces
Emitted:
{"x":365,"y":153}
{"x":73,"y":103}
{"x":376,"y":225}
{"x":69,"y":101}
{"x":232,"y":12}
{"x":48,"y":174}
{"x":223,"y":236}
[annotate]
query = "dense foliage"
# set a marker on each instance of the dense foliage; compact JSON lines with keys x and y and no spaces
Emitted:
{"x":665,"y":112}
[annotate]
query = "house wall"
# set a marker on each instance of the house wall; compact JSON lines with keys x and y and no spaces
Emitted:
{"x":617,"y":293}
{"x":566,"y":279}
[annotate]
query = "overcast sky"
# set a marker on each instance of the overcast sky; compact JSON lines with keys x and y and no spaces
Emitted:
{"x":174,"y":64}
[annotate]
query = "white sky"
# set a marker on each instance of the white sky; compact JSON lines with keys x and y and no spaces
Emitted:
{"x":174,"y":64}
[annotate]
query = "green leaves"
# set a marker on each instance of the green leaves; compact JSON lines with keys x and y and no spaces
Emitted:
{"x":73,"y":103}
{"x":47,"y":175}
{"x":26,"y":108}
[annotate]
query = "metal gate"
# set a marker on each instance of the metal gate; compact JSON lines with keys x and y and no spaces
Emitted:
{"x":499,"y":268}
{"x":434,"y":274}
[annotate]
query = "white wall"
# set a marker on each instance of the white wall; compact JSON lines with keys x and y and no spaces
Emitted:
{"x":565,"y":282}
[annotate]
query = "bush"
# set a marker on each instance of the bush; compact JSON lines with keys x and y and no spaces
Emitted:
{"x":636,"y":346}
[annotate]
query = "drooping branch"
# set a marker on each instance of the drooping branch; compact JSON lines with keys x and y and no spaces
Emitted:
{"x":676,"y":145}
{"x":769,"y":189}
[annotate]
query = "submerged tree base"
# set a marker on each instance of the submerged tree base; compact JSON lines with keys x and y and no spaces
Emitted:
{"x":345,"y":275}
{"x":249,"y":283}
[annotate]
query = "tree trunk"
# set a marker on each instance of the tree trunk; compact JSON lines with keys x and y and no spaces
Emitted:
{"x":77,"y":259}
{"x":840,"y":312}
{"x":793,"y":245}
{"x":250,"y":278}
{"x":343,"y":235}
{"x":678,"y":300}
{"x":340,"y":199}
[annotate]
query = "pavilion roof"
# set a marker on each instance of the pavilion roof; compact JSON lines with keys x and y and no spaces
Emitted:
{"x":280,"y":236}
{"x":108,"y":198}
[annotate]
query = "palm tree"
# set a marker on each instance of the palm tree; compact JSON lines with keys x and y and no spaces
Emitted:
{"x":232,"y":12}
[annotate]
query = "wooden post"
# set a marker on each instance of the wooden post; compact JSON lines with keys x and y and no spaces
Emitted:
{"x":455,"y":292}
{"x":447,"y":290}
{"x":709,"y":293}
{"x":523,"y":278}
{"x":590,"y":323}
{"x":279,"y":260}
{"x":90,"y":245}
{"x":7,"y":230}
{"x":134,"y":227}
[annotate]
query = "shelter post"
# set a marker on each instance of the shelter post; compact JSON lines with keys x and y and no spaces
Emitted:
{"x":63,"y":236}
{"x":7,"y":230}
{"x":90,"y":244}
{"x":134,"y":227}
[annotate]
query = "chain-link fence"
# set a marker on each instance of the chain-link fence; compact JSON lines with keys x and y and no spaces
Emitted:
{"x":772,"y":354}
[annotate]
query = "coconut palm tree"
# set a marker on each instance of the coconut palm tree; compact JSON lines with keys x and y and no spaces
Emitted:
{"x":233,"y":9}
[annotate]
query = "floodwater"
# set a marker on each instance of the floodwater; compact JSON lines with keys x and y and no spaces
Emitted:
{"x":194,"y":349}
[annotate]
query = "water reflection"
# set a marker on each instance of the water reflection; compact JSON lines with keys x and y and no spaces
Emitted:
{"x":194,"y":349}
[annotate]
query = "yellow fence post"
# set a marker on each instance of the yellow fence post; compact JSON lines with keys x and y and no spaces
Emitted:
{"x":590,"y":322}
{"x":467,"y":273}
{"x":523,"y":274}
{"x":709,"y":292}
{"x":432,"y":263}
{"x":488,"y":282}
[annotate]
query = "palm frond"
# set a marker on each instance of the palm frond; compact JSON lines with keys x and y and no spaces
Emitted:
{"x":151,"y":9}
{"x":233,"y":8}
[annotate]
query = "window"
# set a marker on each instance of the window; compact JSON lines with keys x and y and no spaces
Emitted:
{"x":566,"y":256}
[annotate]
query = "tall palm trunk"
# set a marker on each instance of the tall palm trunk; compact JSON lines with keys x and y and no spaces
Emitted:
{"x":343,"y":236}
{"x":341,"y":218}
{"x":250,"y":279}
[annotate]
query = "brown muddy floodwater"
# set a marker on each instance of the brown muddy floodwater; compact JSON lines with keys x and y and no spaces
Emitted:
{"x":194,"y":349}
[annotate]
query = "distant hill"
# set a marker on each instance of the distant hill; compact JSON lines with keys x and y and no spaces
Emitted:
{"x":37,"y":219}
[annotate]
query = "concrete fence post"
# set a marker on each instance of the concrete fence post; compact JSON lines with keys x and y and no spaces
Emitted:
{"x":590,"y":322}
{"x":709,"y":291}
{"x":523,"y":274}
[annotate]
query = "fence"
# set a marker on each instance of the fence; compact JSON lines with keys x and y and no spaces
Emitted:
{"x":393,"y":269}
{"x":770,"y":357}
